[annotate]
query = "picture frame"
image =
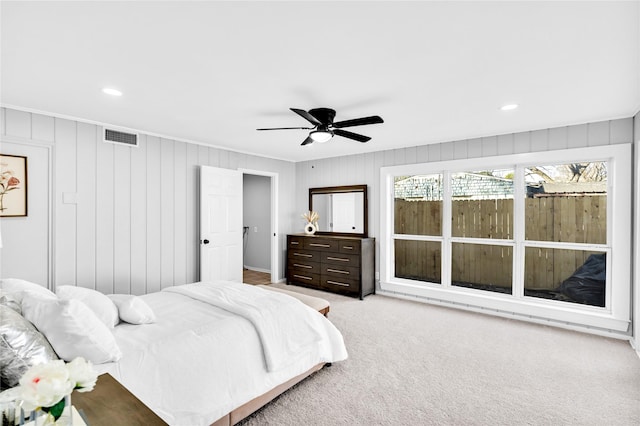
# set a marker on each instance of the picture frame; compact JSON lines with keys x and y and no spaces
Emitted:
{"x":13,"y":185}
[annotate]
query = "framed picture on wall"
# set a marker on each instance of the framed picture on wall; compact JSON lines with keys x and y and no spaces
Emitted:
{"x":13,"y":186}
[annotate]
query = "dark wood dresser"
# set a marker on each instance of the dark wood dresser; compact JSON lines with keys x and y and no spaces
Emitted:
{"x":344,"y":265}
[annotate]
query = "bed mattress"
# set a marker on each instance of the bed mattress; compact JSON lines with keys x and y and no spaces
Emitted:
{"x":198,"y":361}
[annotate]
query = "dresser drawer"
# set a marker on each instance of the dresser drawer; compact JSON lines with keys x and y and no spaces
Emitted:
{"x":340,"y":271}
{"x":321,"y":244}
{"x":303,"y":255}
{"x":295,"y":242}
{"x":340,"y":285}
{"x":302,"y":276}
{"x":340,"y":259}
{"x":349,"y":246}
{"x":303,"y":265}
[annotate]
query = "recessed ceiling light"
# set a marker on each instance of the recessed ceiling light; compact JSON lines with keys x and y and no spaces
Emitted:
{"x":509,"y":107}
{"x":112,"y":92}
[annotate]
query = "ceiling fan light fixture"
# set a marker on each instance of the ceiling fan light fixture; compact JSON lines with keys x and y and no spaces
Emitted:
{"x":321,"y":136}
{"x":509,"y":107}
{"x":111,"y":91}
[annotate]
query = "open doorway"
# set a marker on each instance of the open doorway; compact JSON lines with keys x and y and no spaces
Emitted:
{"x":260,"y":251}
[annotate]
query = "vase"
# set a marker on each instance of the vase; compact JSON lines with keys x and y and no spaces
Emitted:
{"x":43,"y":418}
{"x":310,"y":228}
{"x":10,"y":412}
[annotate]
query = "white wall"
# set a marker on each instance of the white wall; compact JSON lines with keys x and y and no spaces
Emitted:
{"x":125,"y":219}
{"x":365,"y":168}
{"x":133,"y":225}
{"x":257,"y":216}
{"x":29,"y":260}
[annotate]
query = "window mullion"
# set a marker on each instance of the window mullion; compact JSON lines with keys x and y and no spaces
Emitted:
{"x":446,"y":229}
{"x":518,"y":231}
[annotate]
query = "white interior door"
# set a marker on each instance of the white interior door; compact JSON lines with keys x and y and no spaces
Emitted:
{"x":220,"y":224}
{"x":342,"y":212}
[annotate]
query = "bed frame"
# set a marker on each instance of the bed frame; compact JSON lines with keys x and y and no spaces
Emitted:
{"x":255,"y":404}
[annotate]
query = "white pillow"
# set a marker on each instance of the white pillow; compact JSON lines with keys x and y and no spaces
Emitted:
{"x":72,"y":328}
{"x":133,"y":309}
{"x":16,"y":287}
{"x":100,"y":304}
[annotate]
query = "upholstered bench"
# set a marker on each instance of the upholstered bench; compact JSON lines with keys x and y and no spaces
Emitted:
{"x":320,"y":305}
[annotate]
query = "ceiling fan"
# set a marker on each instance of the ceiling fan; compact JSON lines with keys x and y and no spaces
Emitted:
{"x":324,"y":127}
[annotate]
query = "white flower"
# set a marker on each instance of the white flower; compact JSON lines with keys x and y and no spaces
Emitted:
{"x":82,"y":375}
{"x":44,"y":385}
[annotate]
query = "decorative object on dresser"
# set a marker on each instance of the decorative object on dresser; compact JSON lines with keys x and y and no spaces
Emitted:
{"x":337,"y":264}
{"x":312,"y":222}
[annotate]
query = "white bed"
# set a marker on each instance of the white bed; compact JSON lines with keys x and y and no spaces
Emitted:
{"x":199,"y":362}
{"x":196,"y":354}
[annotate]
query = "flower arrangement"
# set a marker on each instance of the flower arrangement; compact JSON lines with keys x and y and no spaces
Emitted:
{"x":312,"y":222}
{"x":47,"y":386}
{"x":311,"y":216}
{"x":8,"y":182}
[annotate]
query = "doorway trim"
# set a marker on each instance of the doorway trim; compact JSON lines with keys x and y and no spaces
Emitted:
{"x":49,"y":147}
{"x":275,"y":258}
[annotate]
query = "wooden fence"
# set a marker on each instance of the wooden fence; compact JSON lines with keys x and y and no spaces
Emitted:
{"x":577,"y":219}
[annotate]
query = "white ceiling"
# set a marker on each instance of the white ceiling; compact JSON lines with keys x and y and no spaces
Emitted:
{"x":213,"y":72}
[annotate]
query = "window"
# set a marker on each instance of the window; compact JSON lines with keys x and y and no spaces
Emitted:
{"x":521,"y":234}
{"x":566,"y":204}
{"x":417,"y":202}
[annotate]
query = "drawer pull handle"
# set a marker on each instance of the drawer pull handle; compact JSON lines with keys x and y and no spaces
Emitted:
{"x":302,"y":255}
{"x":302,"y":266}
{"x":339,"y":259}
{"x":294,"y":243}
{"x":303,"y":277}
{"x":338,"y":271}
{"x":347,"y":247}
{"x":337,"y":283}
{"x":319,"y":245}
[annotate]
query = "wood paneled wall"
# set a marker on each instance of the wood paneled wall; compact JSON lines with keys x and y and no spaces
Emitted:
{"x":125,"y":219}
{"x":365,"y":168}
{"x":133,"y":225}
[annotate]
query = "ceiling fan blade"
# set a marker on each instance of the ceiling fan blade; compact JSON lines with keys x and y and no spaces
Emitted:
{"x":287,"y":128}
{"x":304,"y":114}
{"x":307,"y":141}
{"x":374,"y":119}
{"x":351,"y":135}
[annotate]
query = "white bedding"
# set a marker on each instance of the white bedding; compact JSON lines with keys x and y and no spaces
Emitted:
{"x":198,"y":362}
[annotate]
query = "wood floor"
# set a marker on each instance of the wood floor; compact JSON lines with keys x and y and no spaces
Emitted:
{"x":255,"y":277}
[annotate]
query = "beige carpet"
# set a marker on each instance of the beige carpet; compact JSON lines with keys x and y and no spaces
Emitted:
{"x":416,"y":364}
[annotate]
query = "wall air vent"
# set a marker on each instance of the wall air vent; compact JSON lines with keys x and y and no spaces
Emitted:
{"x":120,"y":138}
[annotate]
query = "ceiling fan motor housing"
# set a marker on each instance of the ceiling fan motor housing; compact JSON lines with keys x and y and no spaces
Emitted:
{"x":324,"y":115}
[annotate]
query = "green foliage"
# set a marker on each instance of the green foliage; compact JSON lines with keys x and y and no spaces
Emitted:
{"x":56,"y":409}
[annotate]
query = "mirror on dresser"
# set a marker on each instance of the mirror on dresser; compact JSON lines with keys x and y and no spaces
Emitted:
{"x":342,"y":209}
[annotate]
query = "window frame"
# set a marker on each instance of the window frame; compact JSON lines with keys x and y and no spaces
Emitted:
{"x":615,"y":316}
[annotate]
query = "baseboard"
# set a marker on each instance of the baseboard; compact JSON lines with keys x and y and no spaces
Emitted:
{"x":508,"y":314}
{"x":635,"y":345}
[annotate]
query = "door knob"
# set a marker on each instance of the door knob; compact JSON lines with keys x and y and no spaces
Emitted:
{"x":205,"y":242}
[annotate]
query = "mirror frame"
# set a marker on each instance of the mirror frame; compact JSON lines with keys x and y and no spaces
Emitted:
{"x":338,"y":190}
